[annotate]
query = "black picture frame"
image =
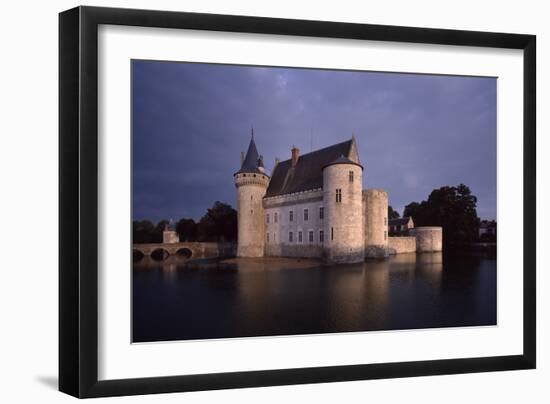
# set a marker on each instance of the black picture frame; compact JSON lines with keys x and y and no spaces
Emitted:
{"x":78,"y":201}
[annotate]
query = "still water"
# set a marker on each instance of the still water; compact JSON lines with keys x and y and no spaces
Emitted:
{"x":180,"y":300}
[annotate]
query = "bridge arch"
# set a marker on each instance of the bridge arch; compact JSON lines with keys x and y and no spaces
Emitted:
{"x":184,"y":252}
{"x":137,"y":255}
{"x":160,"y":254}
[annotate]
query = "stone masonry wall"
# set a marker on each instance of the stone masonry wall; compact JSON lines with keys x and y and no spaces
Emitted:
{"x":250,"y":193}
{"x":278,"y":226}
{"x":344,"y":226}
{"x":428,"y":239}
{"x":400,"y":245}
{"x":376,"y":217}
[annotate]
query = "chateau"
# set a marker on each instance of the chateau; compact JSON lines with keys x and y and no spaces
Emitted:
{"x":314,"y":205}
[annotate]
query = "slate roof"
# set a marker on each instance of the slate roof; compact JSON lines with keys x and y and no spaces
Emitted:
{"x":308,"y":172}
{"x":342,"y":160}
{"x":253,"y":161}
{"x":399,"y":221}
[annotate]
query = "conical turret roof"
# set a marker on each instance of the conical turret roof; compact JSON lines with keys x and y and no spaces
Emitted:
{"x":252,"y":156}
{"x":343,"y":160}
{"x":253,"y":162}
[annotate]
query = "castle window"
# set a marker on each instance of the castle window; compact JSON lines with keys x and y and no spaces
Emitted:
{"x":291,"y":216}
{"x":385,"y":221}
{"x":385,"y":235}
{"x":267,"y":237}
{"x":276,"y":217}
{"x":267,"y":218}
{"x":338,"y":195}
{"x":321,"y":236}
{"x":290,"y":237}
{"x":306,"y":215}
{"x":350,"y":177}
{"x":332,"y":233}
{"x":321,"y":213}
{"x":251,"y":197}
{"x":311,"y":236}
{"x":299,"y":237}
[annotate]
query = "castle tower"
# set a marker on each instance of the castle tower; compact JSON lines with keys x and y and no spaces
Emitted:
{"x":251,"y":182}
{"x":342,"y":198}
{"x":375,"y":205}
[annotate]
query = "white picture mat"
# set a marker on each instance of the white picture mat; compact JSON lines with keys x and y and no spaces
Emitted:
{"x":118,"y":358}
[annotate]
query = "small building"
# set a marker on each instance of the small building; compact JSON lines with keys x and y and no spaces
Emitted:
{"x":400,"y":226}
{"x":169,"y":235}
{"x":487,"y":230}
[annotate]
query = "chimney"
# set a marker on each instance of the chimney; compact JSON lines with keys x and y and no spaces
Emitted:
{"x":277,"y":161}
{"x":242,"y":158}
{"x":295,"y":155}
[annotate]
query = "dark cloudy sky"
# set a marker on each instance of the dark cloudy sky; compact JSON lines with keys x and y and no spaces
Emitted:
{"x":414,"y":132}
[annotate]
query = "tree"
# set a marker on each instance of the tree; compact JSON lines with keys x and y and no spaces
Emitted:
{"x":218,"y":224}
{"x":159,"y":229}
{"x":187,"y":229}
{"x":392,"y":214}
{"x":143,"y":231}
{"x":412,"y":210}
{"x":453,"y":208}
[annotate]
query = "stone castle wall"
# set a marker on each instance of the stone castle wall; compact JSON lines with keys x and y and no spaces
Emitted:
{"x":375,"y":213}
{"x":428,"y":239}
{"x":278,"y":225}
{"x":401,"y":245}
{"x":170,"y":237}
{"x":344,"y":225}
{"x":296,"y":250}
{"x":251,"y":189}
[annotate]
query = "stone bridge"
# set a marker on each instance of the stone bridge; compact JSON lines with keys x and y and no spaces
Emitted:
{"x":191,"y":250}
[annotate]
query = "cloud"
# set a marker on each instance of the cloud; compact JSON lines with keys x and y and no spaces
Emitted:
{"x":414,"y":132}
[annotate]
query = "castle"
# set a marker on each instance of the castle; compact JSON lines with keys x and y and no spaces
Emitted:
{"x":314,"y":205}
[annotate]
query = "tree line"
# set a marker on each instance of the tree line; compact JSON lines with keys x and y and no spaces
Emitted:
{"x":452,"y":208}
{"x":219,"y":223}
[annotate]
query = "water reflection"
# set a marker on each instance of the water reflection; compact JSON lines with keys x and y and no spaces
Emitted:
{"x":177,"y":299}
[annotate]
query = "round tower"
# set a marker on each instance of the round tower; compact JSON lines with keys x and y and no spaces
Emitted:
{"x":376,"y":222}
{"x":428,"y":238}
{"x":343,"y":227}
{"x":251,"y":182}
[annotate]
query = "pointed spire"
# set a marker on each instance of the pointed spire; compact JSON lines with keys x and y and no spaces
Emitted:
{"x":252,"y":132}
{"x":252,"y":156}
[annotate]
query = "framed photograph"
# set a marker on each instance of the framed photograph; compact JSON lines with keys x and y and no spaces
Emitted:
{"x":250,"y":201}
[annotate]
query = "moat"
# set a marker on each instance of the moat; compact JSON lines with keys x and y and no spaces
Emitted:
{"x":177,"y":299}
